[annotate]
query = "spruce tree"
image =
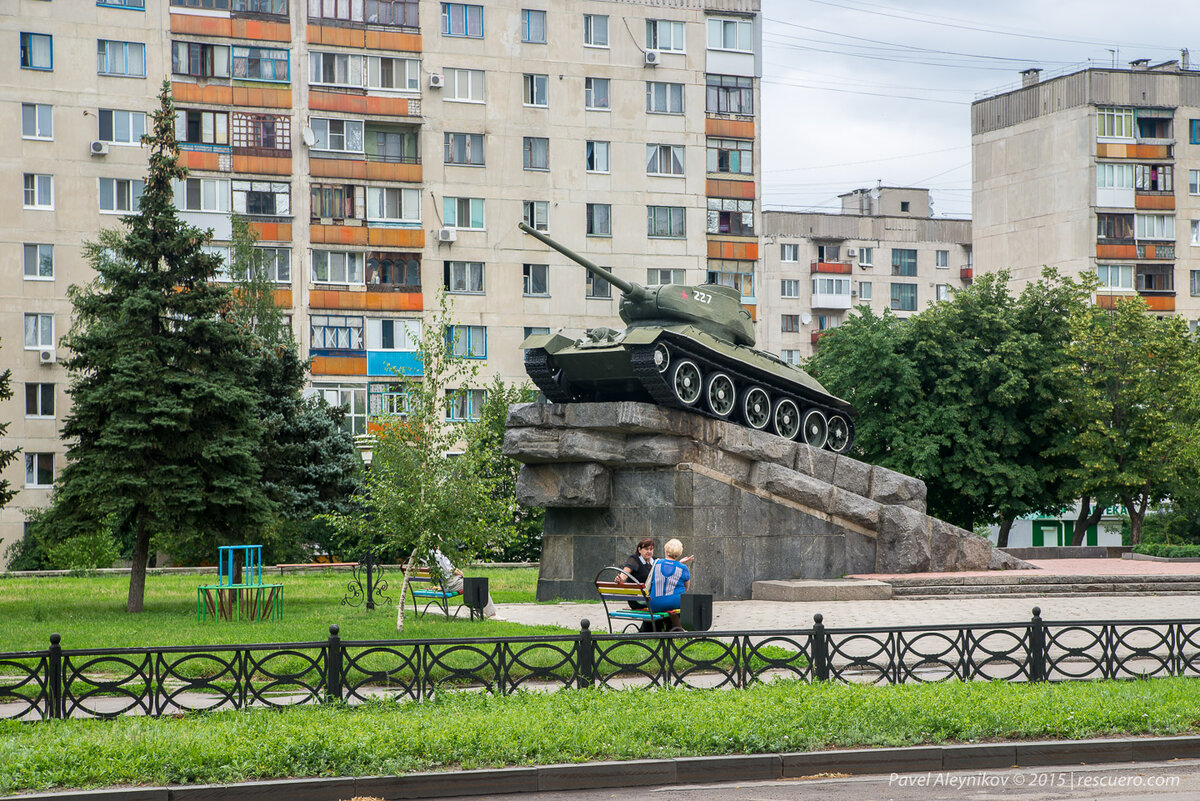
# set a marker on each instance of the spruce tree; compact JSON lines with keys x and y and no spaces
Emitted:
{"x":6,"y":456}
{"x":162,"y":431}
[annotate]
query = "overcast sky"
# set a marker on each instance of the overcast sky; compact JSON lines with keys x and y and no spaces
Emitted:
{"x":857,"y":92}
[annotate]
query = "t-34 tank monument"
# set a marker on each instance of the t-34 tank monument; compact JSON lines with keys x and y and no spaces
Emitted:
{"x":677,"y":427}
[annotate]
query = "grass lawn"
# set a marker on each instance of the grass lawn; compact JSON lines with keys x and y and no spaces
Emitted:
{"x":471,"y":730}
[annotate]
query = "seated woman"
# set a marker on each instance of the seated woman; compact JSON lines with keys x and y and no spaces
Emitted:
{"x":637,"y":566}
{"x":669,"y":579}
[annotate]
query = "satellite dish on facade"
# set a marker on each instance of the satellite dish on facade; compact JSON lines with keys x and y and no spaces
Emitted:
{"x":806,"y":318}
{"x":308,"y":136}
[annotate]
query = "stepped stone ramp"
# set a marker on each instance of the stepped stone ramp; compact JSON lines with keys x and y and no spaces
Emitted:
{"x":750,"y":505}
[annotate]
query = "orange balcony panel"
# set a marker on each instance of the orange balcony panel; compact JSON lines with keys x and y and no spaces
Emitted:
{"x":215,"y":94}
{"x":200,"y":159}
{"x":396,"y":237}
{"x":339,"y":365}
{"x":262,"y":97}
{"x":753,"y":311}
{"x":739,"y":249}
{"x":1119,"y":150}
{"x":742,"y":190}
{"x":283,"y":298}
{"x":337,"y":299}
{"x":262,"y":165}
{"x":394,"y":40}
{"x":966,"y":273}
{"x":1165,"y":201}
{"x":1113,"y":150}
{"x":204,"y":26}
{"x":261,"y":29}
{"x":331,"y":35}
{"x":1159,"y":303}
{"x":272,"y":231}
{"x":392,"y":106}
{"x":1152,"y":151}
{"x":1110,"y":301}
{"x":337,"y":101}
{"x":393,"y":171}
{"x":1115,"y":251}
{"x":337,"y":234}
{"x":842,"y":267}
{"x":337,"y":168}
{"x":393,"y":301}
{"x":818,"y":334}
{"x":735,"y":129}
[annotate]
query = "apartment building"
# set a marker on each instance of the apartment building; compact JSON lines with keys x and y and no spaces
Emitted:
{"x":382,"y":149}
{"x":883,"y":250}
{"x":1079,"y":172}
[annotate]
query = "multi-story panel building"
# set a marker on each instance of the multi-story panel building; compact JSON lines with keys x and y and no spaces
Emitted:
{"x":883,"y":250}
{"x":1097,"y":171}
{"x":381,"y":150}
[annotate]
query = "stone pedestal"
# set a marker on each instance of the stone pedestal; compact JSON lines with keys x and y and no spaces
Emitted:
{"x":751,"y":506}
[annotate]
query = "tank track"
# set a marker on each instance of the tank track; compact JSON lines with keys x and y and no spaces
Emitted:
{"x":537,"y":367}
{"x":655,"y":382}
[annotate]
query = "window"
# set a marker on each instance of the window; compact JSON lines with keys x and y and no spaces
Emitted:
{"x":1115,"y":276}
{"x":904,"y":297}
{"x":665,"y":35}
{"x":336,"y":69}
{"x":37,"y":51}
{"x":789,"y":288}
{"x":599,"y":219}
{"x":393,"y":334}
{"x":464,"y":86}
{"x":731,"y":34}
{"x":535,"y":89}
{"x":330,"y":9}
{"x":864,"y":290}
{"x":39,"y":470}
{"x":271,"y":264}
{"x":202,"y":127}
{"x":393,"y":144}
{"x":262,"y":197}
{"x":1194,"y":182}
{"x":464,"y":404}
{"x":1155,"y":278}
{"x":731,"y":155}
{"x":789,"y":323}
{"x":463,"y":276}
{"x":39,"y":191}
{"x":535,"y":279}
{"x":537,"y":214}
{"x":533,"y":26}
{"x":831,"y":286}
{"x":278,"y":7}
{"x":202,"y":194}
{"x":1195,"y":283}
{"x":664,"y":159}
{"x":904,"y":262}
{"x":463,"y":212}
{"x":1114,"y":122}
{"x":829,"y":253}
{"x":209,"y":4}
{"x":39,"y":262}
{"x":37,"y":121}
{"x":384,"y":72}
{"x":463,"y":148}
{"x":1114,"y":226}
{"x":334,"y":332}
{"x":866,"y":256}
{"x":791,"y":356}
{"x":262,"y":131}
{"x":261,"y":64}
{"x":200,"y":60}
{"x":469,"y":341}
{"x":729,"y":216}
{"x":352,"y":397}
{"x":39,"y":331}
{"x":597,"y":288}
{"x":337,"y":267}
{"x":121,"y":58}
{"x":531,"y":330}
{"x":904,"y":206}
{"x":664,"y":98}
{"x":941,"y":292}
{"x":39,"y":400}
{"x":337,"y":201}
{"x":732,"y":273}
{"x":460,"y":19}
{"x":1195,"y":129}
{"x":659,"y":275}
{"x":789,"y":253}
{"x":595,"y":93}
{"x":393,"y":204}
{"x":665,"y":221}
{"x":394,"y":271}
{"x":120,"y":194}
{"x":595,"y":30}
{"x":941,"y":258}
{"x":597,"y":156}
{"x":122,"y":127}
{"x":1155,"y":226}
{"x":1114,"y":176}
{"x":535,"y":153}
{"x":339,"y":136}
{"x":1154,"y":177}
{"x":729,"y":94}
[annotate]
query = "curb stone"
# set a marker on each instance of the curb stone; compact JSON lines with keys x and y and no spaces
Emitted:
{"x":666,"y":772}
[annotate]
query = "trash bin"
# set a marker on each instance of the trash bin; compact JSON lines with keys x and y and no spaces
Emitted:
{"x":475,"y":594}
{"x":695,"y":611}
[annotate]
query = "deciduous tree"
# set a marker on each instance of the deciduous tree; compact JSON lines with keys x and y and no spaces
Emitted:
{"x":7,"y":493}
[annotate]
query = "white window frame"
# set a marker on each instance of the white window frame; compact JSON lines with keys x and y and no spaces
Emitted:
{"x":792,"y":356}
{"x":38,"y":192}
{"x":531,"y":81}
{"x":941,"y":292}
{"x":590,"y":86}
{"x":1114,"y":122}
{"x":113,"y":190}
{"x":864,"y":290}
{"x":1194,"y":283}
{"x":43,"y":390}
{"x":407,"y":201}
{"x":461,"y":86}
{"x":941,"y":260}
{"x":37,"y":121}
{"x":670,"y":92}
{"x":536,"y":214}
{"x":742,"y":148}
{"x":528,"y":280}
{"x":743,"y":34}
{"x":41,"y":326}
{"x":345,"y":267}
{"x":181,"y":59}
{"x":405,"y":71}
{"x":281,"y":191}
{"x":592,"y":26}
{"x":1157,"y":227}
{"x":464,"y":277}
{"x":673,"y":214}
{"x":789,"y":288}
{"x":531,"y":148}
{"x":263,"y":55}
{"x":1110,"y":175}
{"x":219,"y":195}
{"x":131,"y":55}
{"x":666,"y":36}
{"x":654,"y":276}
{"x":671,"y":155}
{"x":214,"y":126}
{"x":324,"y":127}
{"x":1195,"y":241}
{"x":451,"y":208}
{"x":591,"y":219}
{"x":35,"y":255}
{"x":134,"y":125}
{"x":352,"y":325}
{"x":349,"y":69}
{"x":600,"y":152}
{"x":866,"y":257}
{"x":789,"y":252}
{"x":406,"y":334}
{"x":33,"y":465}
{"x":1115,"y":276}
{"x":472,"y":146}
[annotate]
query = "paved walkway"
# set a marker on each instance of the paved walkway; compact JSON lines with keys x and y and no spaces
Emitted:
{"x":1073,"y":567}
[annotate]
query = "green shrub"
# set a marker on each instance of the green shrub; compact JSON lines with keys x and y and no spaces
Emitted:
{"x":1168,"y":551}
{"x":86,"y":551}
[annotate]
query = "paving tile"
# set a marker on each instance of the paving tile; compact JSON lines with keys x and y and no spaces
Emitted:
{"x":863,"y":761}
{"x":1080,"y":752}
{"x":751,"y":767}
{"x":606,"y":774}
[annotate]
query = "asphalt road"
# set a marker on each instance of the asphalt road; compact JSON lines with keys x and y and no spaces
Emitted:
{"x":1163,"y":781}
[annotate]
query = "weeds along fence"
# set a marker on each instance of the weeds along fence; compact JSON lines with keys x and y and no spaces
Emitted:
{"x":109,"y":682}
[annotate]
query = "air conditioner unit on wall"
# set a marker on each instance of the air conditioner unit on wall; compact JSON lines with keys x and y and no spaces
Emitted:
{"x":47,"y":356}
{"x":436,"y":81}
{"x":99,"y":148}
{"x":851,"y":253}
{"x":653,"y":58}
{"x":447,"y":235}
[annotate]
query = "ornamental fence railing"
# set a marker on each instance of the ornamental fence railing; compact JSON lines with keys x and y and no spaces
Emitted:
{"x":110,"y":682}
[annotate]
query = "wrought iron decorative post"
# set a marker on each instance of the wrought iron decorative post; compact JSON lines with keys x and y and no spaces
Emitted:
{"x":820,"y":649}
{"x":584,"y":654}
{"x":1037,"y":646}
{"x":54,"y":683}
{"x":367,"y":585}
{"x":333,"y":665}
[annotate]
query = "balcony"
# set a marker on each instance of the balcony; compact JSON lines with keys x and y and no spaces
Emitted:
{"x":1154,"y":201}
{"x":1155,"y":250}
{"x":842,"y":267}
{"x":818,"y":334}
{"x":1148,"y":150}
{"x":967,"y":274}
{"x":831,"y":300}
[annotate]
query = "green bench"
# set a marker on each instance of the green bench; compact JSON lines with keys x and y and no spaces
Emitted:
{"x":616,"y":596}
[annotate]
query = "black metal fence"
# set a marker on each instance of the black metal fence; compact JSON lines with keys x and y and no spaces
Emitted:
{"x":108,"y":682}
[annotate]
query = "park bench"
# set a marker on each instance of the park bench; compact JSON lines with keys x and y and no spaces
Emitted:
{"x":616,"y":596}
{"x":431,"y":594}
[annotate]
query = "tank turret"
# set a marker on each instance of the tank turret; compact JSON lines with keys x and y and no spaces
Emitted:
{"x":687,"y":347}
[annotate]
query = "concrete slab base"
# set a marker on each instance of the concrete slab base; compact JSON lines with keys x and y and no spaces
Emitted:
{"x":822,"y":590}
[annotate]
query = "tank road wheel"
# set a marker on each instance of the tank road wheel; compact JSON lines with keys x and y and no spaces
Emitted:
{"x":720,"y":394}
{"x":816,"y":429}
{"x":756,"y":408}
{"x":839,"y":434}
{"x":687,"y":382}
{"x":662,"y":357}
{"x":786,"y":418}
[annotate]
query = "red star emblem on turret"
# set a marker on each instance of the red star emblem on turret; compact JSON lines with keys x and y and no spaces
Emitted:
{"x":685,"y":297}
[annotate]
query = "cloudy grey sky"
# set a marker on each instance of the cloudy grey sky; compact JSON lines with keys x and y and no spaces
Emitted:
{"x":857,"y":92}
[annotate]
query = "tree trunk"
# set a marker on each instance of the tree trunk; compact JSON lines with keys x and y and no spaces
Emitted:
{"x":1005,"y":527}
{"x":1088,"y":517}
{"x":1137,"y":513}
{"x":408,"y":569}
{"x":137,"y":570}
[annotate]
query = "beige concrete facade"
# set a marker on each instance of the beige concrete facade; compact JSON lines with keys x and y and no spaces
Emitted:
{"x":817,"y":267}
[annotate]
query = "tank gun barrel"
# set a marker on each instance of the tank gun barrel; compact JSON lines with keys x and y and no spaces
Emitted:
{"x":626,"y":287}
